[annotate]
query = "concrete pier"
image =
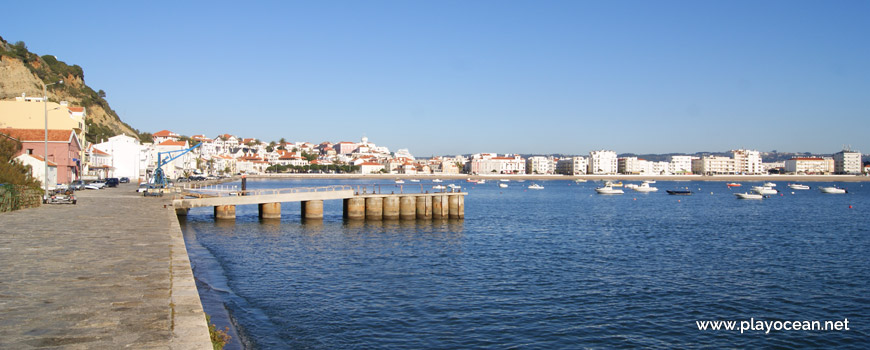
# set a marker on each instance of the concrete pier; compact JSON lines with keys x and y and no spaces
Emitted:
{"x":440,"y":207}
{"x":374,"y":208}
{"x":269,"y":210}
{"x":424,"y":207}
{"x":122,"y":281}
{"x":225,"y":212}
{"x":407,"y":207}
{"x":312,"y":210}
{"x":355,"y":208}
{"x":391,"y":208}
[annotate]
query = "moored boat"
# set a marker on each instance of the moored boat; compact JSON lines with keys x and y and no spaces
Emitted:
{"x":769,"y":184}
{"x":503,"y":185}
{"x":733,"y":184}
{"x":438,"y":187}
{"x":679,"y":192}
{"x":536,"y":187}
{"x":832,"y":189}
{"x":579,"y":180}
{"x":764,"y":190}
{"x":798,"y":187}
{"x":400,"y":181}
{"x":747,"y":195}
{"x":608,"y":189}
{"x":645,"y":187}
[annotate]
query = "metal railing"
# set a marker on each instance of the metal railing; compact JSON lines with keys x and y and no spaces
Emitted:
{"x":233,"y":190}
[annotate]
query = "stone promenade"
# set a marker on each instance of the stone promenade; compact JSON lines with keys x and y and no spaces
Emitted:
{"x":111,"y":272}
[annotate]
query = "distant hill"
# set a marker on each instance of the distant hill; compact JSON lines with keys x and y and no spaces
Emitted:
{"x":22,"y":71}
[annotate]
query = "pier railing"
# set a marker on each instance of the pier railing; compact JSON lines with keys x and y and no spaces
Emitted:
{"x":233,"y":190}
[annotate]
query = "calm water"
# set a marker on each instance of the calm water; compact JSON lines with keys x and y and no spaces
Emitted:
{"x":556,"y":268}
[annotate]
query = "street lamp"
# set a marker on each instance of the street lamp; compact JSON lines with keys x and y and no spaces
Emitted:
{"x":45,"y":107}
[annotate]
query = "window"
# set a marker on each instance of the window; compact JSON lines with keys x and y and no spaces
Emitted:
{"x":30,"y":151}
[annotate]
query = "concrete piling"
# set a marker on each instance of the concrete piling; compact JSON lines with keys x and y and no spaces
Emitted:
{"x":440,"y":207}
{"x":374,"y":208}
{"x":424,"y":207}
{"x":225,"y":212}
{"x":407,"y":207}
{"x":355,"y":208}
{"x":312,"y":209}
{"x":269,"y":210}
{"x":391,"y":208}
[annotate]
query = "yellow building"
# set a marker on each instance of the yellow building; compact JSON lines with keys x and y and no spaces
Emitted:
{"x":29,"y":113}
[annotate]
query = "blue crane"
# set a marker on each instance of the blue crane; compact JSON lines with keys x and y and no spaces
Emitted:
{"x":159,"y":177}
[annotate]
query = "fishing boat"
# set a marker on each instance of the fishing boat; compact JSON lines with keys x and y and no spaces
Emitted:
{"x":769,"y":184}
{"x":415,"y":180}
{"x":481,"y":182}
{"x":504,"y":180}
{"x":747,"y":195}
{"x":536,"y":187}
{"x":798,"y":187}
{"x":733,"y":184}
{"x":764,"y":190}
{"x":454,"y":186}
{"x":400,"y":181}
{"x":679,"y":192}
{"x":503,"y":185}
{"x":579,"y":180}
{"x":438,"y":187}
{"x":832,"y":189}
{"x":470,"y":180}
{"x":608,"y":189}
{"x":645,"y":187}
{"x":437,"y":180}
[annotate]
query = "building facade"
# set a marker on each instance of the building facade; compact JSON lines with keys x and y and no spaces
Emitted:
{"x":847,"y":162}
{"x":602,"y":162}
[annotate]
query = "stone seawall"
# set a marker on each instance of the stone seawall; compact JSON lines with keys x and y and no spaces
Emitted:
{"x":14,"y":197}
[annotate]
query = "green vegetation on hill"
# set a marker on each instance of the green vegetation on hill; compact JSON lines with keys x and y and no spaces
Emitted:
{"x":49,"y":69}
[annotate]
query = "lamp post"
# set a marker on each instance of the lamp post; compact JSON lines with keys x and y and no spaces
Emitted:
{"x":45,"y":107}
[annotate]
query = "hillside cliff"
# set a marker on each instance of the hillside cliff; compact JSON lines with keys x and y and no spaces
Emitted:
{"x":22,"y":71}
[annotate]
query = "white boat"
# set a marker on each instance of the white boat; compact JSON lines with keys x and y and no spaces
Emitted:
{"x":798,"y":187}
{"x":832,"y":189}
{"x":650,"y":181}
{"x":481,"y":182}
{"x":504,"y":180}
{"x":415,"y":180}
{"x":748,"y":196}
{"x":438,"y":187}
{"x":608,"y":189}
{"x":631,"y":186}
{"x":503,"y":185}
{"x":645,"y":187}
{"x":400,"y":181}
{"x":763,"y":190}
{"x":769,"y":184}
{"x":536,"y":187}
{"x":437,"y":180}
{"x":579,"y":180}
{"x":454,"y":186}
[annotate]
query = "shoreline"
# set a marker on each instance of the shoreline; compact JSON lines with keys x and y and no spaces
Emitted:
{"x":728,"y":178}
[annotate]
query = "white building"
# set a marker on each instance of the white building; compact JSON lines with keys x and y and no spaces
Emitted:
{"x":807,"y":165}
{"x":747,"y":162}
{"x":491,"y":163}
{"x":714,"y":165}
{"x":571,"y":166}
{"x":602,"y":163}
{"x":540,"y":165}
{"x":177,"y":167}
{"x":681,"y":165}
{"x":37,"y":169}
{"x":847,"y":162}
{"x":125,"y":152}
{"x":628,"y":165}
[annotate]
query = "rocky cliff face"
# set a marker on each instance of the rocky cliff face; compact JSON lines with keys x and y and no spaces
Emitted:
{"x":24,"y":72}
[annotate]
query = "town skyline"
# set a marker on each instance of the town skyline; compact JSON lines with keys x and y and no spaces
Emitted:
{"x":509,"y":77}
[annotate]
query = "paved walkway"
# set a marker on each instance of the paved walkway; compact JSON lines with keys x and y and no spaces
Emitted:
{"x":110,"y":272}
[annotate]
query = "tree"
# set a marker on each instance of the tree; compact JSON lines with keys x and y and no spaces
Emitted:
{"x":11,"y":171}
{"x":101,"y":93}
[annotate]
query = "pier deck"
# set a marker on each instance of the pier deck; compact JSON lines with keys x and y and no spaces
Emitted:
{"x":111,"y":272}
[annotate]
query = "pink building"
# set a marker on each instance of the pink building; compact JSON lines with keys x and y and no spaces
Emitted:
{"x":64,"y":148}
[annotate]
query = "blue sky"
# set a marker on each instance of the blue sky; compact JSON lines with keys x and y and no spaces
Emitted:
{"x":448,"y":77}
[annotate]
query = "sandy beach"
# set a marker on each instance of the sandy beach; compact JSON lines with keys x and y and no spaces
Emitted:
{"x":726,"y":178}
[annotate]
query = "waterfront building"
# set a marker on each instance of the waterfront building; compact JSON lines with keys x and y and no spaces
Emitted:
{"x":847,"y":162}
{"x":178,"y":166}
{"x":125,"y":152}
{"x":540,"y":165}
{"x":491,"y":163}
{"x":98,"y":164}
{"x":30,"y":113}
{"x":37,"y":168}
{"x":370,"y":167}
{"x":714,"y":165}
{"x":64,"y":149}
{"x":681,"y":165}
{"x":602,"y":162}
{"x":224,"y":164}
{"x":164,"y":135}
{"x":345,"y":147}
{"x":747,"y":162}
{"x":571,"y":166}
{"x":627,"y":165}
{"x":807,"y":165}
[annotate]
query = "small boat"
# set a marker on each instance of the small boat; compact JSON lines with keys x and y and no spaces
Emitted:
{"x":504,"y":180}
{"x":454,"y":186}
{"x":733,"y":184}
{"x":579,"y":180}
{"x":437,"y":180}
{"x":415,"y":180}
{"x":645,"y":187}
{"x":438,"y":187}
{"x":536,"y":187}
{"x":503,"y":185}
{"x":471,"y":181}
{"x":832,"y":189}
{"x":521,"y":180}
{"x":400,"y":181}
{"x":616,"y":184}
{"x":650,"y":181}
{"x":608,"y":189}
{"x":764,"y":190}
{"x":769,"y":184}
{"x":748,"y":196}
{"x":798,"y":187}
{"x":679,"y":192}
{"x":481,"y":182}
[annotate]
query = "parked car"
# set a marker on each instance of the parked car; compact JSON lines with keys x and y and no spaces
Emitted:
{"x":112,"y":182}
{"x":96,"y":185}
{"x":77,"y":185}
{"x":142,"y":188}
{"x":125,"y":180}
